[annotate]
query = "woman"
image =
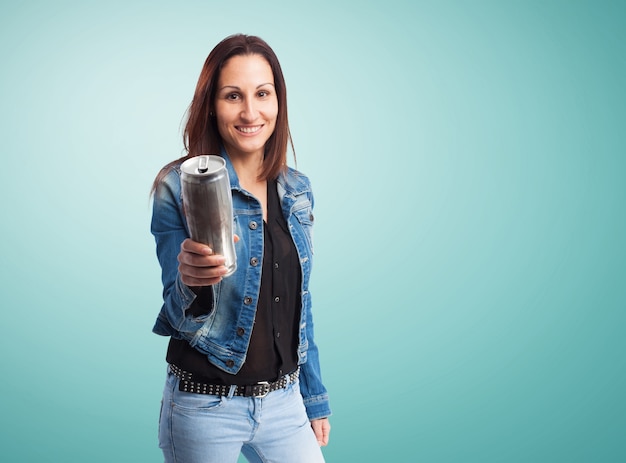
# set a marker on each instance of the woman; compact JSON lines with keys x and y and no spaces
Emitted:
{"x":243,"y":373}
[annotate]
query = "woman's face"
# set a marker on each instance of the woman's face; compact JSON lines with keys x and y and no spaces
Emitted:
{"x":246,"y":105}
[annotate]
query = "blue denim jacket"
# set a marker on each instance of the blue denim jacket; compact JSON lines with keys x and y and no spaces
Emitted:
{"x":234,"y":299}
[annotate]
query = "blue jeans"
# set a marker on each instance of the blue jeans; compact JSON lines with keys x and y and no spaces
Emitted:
{"x":197,"y":428}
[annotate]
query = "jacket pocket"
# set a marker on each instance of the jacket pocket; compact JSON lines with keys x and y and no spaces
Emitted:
{"x":303,"y":212}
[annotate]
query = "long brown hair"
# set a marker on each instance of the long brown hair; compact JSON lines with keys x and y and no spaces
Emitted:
{"x":201,"y":135}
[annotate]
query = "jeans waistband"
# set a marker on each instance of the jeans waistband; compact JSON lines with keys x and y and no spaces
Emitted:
{"x":188,"y":383}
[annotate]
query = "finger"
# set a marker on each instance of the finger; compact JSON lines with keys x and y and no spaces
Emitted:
{"x":202,"y":272}
{"x":199,"y":282}
{"x":201,"y":261}
{"x":322,"y":439}
{"x":321,"y":429}
{"x":318,"y":432}
{"x":195,"y":276}
{"x":325,"y":432}
{"x":195,"y":248}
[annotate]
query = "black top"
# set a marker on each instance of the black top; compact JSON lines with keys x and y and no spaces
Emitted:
{"x":274,"y":341}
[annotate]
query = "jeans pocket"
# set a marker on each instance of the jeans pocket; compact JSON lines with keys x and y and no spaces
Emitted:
{"x":189,"y":401}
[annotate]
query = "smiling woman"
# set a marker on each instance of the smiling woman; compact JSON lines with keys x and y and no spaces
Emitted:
{"x":243,"y":367}
{"x":246,"y":106}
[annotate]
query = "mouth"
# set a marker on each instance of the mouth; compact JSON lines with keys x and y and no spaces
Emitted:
{"x":248,"y":129}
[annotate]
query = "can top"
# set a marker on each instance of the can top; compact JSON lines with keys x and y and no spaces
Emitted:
{"x":206,"y":164}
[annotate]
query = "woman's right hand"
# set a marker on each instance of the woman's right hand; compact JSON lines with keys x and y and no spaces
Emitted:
{"x":198,"y":265}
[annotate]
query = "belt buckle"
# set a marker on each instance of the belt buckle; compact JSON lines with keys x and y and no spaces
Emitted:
{"x":264,"y":386}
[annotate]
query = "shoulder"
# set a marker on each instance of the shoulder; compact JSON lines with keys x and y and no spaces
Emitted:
{"x":170,"y":174}
{"x":168,"y":181}
{"x":294,"y":181}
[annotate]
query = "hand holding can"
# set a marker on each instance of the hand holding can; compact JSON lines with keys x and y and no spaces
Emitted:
{"x":208,"y":206}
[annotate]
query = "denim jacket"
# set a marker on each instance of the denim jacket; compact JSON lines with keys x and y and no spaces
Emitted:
{"x":224,"y":333}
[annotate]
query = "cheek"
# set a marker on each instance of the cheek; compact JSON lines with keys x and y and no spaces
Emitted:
{"x":223,"y":120}
{"x":224,"y":113}
{"x":272,"y":113}
{"x":271,"y":108}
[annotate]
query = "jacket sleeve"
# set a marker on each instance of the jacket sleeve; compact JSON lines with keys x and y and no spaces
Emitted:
{"x":168,"y":228}
{"x":312,"y":388}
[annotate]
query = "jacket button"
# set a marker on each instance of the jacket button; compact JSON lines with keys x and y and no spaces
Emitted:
{"x":311,"y":218}
{"x":240,"y":331}
{"x":247,"y":300}
{"x":254,"y":261}
{"x":252,"y":225}
{"x":230,"y":363}
{"x":277,"y":299}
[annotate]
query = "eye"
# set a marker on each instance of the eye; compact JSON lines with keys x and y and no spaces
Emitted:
{"x":263,"y":93}
{"x":232,"y":96}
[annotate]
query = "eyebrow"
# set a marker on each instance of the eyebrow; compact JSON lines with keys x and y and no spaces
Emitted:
{"x":238,"y":88}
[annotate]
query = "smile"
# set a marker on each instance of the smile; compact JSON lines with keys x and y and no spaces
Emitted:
{"x":254,"y":129}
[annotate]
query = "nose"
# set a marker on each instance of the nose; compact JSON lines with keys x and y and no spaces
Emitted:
{"x":249,"y":112}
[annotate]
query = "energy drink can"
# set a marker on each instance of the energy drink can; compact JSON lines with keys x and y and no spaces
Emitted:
{"x":208,"y":205}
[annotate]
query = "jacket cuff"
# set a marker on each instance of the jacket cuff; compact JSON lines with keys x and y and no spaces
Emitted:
{"x":185,"y":293}
{"x":317,"y":407}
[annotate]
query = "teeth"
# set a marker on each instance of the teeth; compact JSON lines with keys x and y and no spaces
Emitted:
{"x":249,"y":129}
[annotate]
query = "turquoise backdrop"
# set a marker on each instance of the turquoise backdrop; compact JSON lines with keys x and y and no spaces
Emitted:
{"x":469,"y":163}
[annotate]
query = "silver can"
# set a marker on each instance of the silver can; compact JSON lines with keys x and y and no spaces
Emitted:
{"x":208,"y":205}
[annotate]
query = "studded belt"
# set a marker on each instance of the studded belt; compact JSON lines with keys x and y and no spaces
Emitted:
{"x":260,"y":390}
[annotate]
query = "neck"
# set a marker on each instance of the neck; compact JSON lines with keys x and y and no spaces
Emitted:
{"x":248,"y":168}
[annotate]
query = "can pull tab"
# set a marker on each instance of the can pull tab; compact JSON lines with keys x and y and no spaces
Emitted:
{"x":203,"y":164}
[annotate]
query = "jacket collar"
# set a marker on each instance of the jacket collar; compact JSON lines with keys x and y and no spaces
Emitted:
{"x":292,"y":182}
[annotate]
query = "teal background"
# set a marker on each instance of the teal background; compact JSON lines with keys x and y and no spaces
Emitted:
{"x":468,"y":160}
